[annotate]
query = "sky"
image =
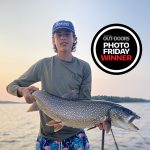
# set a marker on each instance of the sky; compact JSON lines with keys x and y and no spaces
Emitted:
{"x":25,"y":37}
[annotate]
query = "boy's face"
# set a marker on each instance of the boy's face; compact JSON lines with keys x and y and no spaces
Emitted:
{"x":63,"y":39}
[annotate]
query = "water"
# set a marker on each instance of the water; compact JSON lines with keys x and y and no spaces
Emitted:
{"x":18,"y":129}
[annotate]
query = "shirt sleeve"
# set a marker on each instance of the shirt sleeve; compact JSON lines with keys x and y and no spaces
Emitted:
{"x":85,"y":89}
{"x":32,"y":75}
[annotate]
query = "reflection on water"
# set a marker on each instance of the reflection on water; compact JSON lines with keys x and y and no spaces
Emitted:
{"x":18,"y":129}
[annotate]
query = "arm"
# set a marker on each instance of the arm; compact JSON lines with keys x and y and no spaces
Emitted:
{"x":21,"y":86}
{"x":85,"y":89}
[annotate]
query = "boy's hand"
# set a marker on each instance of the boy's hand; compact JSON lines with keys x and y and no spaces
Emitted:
{"x":26,"y":92}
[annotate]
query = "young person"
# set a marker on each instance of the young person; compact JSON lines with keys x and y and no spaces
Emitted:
{"x":59,"y":75}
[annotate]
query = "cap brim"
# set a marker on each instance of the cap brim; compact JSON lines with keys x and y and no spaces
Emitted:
{"x":64,"y":28}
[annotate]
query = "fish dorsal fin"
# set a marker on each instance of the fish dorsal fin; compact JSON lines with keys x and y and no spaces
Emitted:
{"x":72,"y":94}
{"x":56,"y":124}
{"x":33,"y":107}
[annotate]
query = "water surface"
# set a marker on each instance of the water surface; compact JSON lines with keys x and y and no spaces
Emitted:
{"x":18,"y":129}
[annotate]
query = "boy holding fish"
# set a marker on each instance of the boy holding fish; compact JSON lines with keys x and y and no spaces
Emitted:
{"x":58,"y":74}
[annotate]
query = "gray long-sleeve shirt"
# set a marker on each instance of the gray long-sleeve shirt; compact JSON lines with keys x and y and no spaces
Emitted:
{"x":57,"y":77}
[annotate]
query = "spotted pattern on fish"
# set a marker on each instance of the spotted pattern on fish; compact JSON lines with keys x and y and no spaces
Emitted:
{"x":79,"y":113}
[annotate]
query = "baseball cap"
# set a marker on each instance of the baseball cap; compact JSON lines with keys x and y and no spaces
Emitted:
{"x":63,"y":24}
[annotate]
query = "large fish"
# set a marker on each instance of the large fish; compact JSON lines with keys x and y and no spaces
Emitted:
{"x":82,"y":113}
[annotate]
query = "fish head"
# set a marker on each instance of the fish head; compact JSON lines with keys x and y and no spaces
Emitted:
{"x":123,"y":117}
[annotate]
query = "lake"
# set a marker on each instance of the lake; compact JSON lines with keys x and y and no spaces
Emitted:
{"x":18,"y":129}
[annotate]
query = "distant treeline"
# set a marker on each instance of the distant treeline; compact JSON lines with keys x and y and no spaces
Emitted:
{"x":10,"y":102}
{"x":117,"y":99}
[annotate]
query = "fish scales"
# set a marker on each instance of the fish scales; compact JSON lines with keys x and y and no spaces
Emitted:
{"x":75,"y":112}
{"x":78,"y":113}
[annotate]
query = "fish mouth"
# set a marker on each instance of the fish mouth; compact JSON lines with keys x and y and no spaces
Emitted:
{"x":132,"y":118}
{"x":123,"y":124}
{"x":134,"y":128}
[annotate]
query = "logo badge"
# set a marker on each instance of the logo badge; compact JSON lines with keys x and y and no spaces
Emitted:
{"x":116,"y":49}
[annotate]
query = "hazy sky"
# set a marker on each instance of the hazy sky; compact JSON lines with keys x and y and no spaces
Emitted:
{"x":25,"y":37}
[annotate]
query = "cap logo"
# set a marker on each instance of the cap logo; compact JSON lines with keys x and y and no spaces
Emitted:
{"x":62,"y":24}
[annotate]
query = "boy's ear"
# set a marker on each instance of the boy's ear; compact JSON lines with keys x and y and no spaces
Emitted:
{"x":74,"y":39}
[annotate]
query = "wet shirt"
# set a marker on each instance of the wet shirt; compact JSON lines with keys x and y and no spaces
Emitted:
{"x":57,"y":77}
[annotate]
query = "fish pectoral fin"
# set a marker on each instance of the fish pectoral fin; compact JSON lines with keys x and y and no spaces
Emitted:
{"x":58,"y":127}
{"x":53,"y":123}
{"x":105,"y":123}
{"x":56,"y":124}
{"x":107,"y":126}
{"x":33,"y":107}
{"x":91,"y":128}
{"x":104,"y":118}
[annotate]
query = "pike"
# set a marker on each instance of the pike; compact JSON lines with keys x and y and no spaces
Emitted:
{"x":82,"y":113}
